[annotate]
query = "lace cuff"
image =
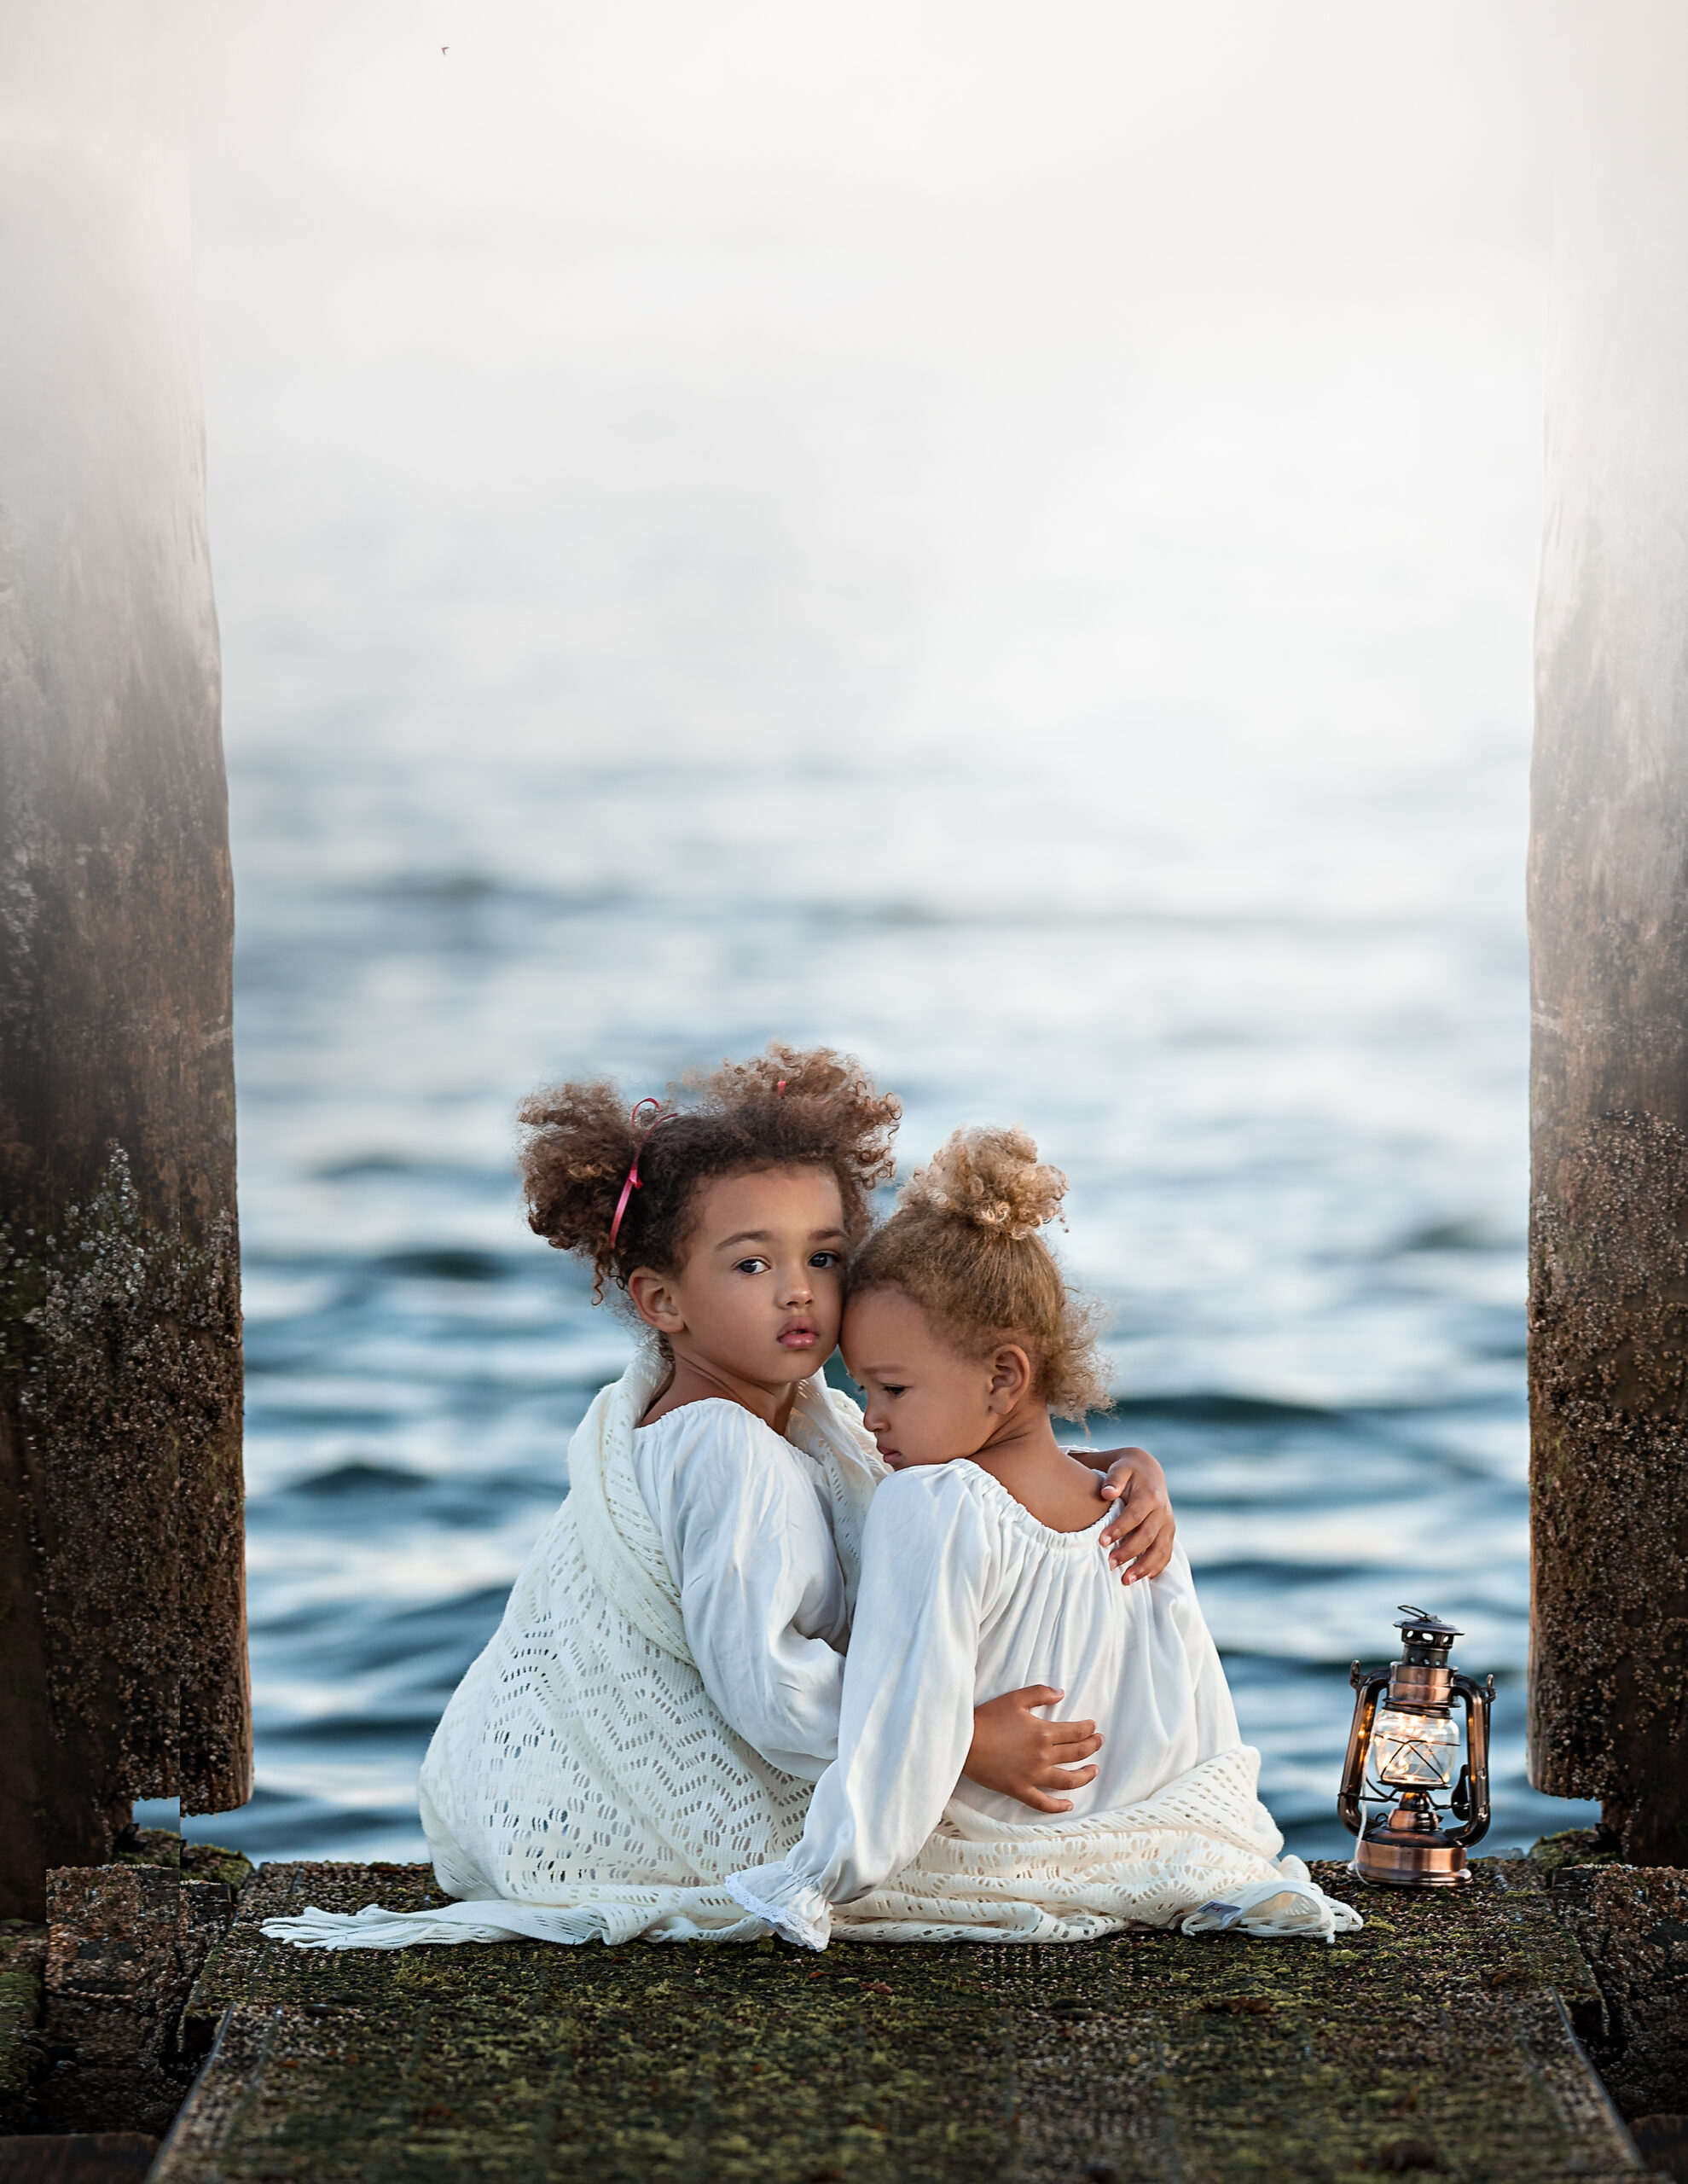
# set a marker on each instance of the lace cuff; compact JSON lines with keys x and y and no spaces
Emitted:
{"x":792,"y":1907}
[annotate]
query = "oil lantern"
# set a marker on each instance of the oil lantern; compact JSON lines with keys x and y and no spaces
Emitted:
{"x":1404,"y":1758}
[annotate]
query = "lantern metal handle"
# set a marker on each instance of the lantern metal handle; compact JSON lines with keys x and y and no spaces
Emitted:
{"x":1373,"y":1682}
{"x":1478,"y":1698}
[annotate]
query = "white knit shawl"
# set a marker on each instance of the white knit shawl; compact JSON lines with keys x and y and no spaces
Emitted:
{"x":583,"y":1783}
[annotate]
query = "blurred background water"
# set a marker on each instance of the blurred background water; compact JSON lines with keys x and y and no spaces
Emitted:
{"x":1096,"y":690}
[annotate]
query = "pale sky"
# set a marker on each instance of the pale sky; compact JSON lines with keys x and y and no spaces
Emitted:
{"x":1065,"y":123}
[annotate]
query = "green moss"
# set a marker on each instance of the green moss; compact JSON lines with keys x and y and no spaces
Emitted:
{"x":1573,"y":1846}
{"x":148,"y":1846}
{"x":161,"y":1846}
{"x":1210,"y":2060}
{"x":214,"y":1862}
{"x":22,"y":1949}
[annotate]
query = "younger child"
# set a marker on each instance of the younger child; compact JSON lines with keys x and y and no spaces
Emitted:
{"x":982,"y":1564}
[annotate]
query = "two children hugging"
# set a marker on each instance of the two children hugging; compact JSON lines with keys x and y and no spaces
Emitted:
{"x":776,"y":1665}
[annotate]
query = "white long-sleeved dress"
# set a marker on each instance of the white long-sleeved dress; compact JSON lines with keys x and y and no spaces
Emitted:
{"x":965,"y":1594}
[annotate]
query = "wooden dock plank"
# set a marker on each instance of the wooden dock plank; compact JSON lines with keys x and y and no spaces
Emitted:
{"x":1441,"y":2037}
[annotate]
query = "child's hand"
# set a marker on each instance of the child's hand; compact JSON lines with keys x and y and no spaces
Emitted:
{"x":1018,"y":1755}
{"x":1141,"y":1535}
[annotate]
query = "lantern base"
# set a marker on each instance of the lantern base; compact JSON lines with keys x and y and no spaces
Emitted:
{"x":1406,"y":1864}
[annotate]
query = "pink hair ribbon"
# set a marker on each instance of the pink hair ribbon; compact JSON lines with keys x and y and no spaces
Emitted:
{"x":633,"y":1182}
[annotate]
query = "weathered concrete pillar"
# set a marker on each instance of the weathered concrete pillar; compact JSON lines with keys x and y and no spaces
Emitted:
{"x":1608,"y":926}
{"x":122,"y":1635}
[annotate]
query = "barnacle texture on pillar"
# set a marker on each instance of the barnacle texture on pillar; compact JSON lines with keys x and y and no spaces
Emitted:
{"x":1609,"y":926}
{"x":122,"y":1629}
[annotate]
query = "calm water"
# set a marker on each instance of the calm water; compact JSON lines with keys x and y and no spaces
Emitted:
{"x":1097,"y":693}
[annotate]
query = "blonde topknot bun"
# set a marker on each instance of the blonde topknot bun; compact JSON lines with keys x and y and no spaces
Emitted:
{"x":963,"y":1244}
{"x":991,"y":1178}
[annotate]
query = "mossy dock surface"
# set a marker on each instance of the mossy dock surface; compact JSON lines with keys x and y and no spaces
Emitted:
{"x":1438,"y":2038}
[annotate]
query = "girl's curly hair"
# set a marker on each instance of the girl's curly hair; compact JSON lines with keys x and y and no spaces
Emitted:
{"x":963,"y":1243}
{"x":790,"y":1107}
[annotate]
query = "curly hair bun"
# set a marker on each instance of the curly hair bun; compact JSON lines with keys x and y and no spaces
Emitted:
{"x":991,"y":1178}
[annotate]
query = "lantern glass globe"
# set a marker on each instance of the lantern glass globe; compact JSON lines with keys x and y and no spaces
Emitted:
{"x":1414,"y":1751}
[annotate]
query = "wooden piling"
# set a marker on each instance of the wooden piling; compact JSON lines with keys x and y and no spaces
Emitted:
{"x":122,"y":1633}
{"x":1609,"y":941}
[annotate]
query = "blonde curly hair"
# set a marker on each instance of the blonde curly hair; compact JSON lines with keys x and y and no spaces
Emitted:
{"x":964,"y":1244}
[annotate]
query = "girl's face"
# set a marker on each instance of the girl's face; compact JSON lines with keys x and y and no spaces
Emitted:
{"x":927,"y":1403}
{"x":761,"y":1292}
